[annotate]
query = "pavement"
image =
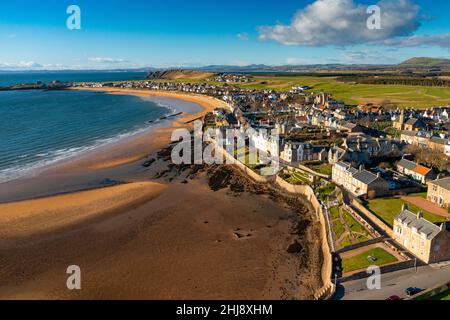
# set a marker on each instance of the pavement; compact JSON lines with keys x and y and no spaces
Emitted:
{"x":394,"y":283}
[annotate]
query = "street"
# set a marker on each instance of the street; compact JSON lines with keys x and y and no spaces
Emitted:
{"x":394,"y":283}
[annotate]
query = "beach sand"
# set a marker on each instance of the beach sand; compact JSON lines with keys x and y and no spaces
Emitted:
{"x":148,"y":238}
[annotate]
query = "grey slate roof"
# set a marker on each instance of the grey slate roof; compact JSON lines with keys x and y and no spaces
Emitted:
{"x":404,"y":163}
{"x":439,"y":140}
{"x":430,"y":230}
{"x":365,"y":177}
{"x":412,"y":121}
{"x":444,"y":183}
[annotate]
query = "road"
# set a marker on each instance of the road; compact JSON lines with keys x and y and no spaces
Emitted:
{"x":394,"y":283}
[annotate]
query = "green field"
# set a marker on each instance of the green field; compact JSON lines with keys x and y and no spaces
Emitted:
{"x":403,"y":96}
{"x":361,"y":261}
{"x":388,"y":208}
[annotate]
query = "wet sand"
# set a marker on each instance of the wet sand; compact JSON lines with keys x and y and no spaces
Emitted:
{"x":147,"y":238}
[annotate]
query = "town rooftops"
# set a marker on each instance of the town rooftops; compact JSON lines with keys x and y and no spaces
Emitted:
{"x":361,"y":175}
{"x":412,"y":166}
{"x":409,"y":165}
{"x":439,"y":140}
{"x":365,"y":177}
{"x":412,"y":121}
{"x":418,"y":224}
{"x":443,"y":183}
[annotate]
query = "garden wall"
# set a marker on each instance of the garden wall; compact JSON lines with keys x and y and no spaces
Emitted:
{"x":372,"y":217}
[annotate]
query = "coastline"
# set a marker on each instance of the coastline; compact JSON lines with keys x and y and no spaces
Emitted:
{"x":119,"y":159}
{"x":145,"y":237}
{"x":137,"y":148}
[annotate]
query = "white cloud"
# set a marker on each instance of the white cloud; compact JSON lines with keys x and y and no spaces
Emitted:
{"x":442,"y":40}
{"x":107,"y":60}
{"x":243,"y":36}
{"x":344,"y":22}
{"x":20,"y":65}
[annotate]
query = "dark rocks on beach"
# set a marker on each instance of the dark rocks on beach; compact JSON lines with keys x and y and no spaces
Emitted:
{"x":295,"y":248}
{"x":148,"y":163}
{"x":220,"y":178}
{"x":301,"y":227}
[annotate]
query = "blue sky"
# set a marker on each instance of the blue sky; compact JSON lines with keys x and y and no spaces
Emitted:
{"x":170,"y":33}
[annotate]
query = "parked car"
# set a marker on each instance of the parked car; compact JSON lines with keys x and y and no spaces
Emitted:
{"x":413,"y":291}
{"x":394,"y":298}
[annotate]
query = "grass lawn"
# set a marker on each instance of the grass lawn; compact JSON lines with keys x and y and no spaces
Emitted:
{"x":296,"y":178}
{"x":388,"y":208}
{"x":322,"y":168}
{"x":358,"y":232}
{"x":325,"y":192}
{"x":361,"y":260}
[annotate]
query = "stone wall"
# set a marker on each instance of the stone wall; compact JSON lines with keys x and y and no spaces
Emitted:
{"x":328,"y":289}
{"x":372,"y":217}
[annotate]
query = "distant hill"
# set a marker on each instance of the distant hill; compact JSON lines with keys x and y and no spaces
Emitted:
{"x":175,"y":74}
{"x":425,"y":62}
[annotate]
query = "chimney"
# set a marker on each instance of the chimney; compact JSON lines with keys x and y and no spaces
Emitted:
{"x":361,"y":168}
{"x":444,"y":226}
{"x":379,"y":175}
{"x":405,"y":207}
{"x":419,"y":215}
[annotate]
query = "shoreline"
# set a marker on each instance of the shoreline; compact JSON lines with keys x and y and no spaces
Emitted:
{"x":141,"y":145}
{"x":132,"y":148}
{"x":150,"y":237}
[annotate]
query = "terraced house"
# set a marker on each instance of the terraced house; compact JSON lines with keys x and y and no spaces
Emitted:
{"x":427,"y":241}
{"x":415,"y":171}
{"x":359,"y":182}
{"x":439,"y":192}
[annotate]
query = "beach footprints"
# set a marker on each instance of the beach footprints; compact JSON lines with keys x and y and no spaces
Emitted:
{"x":239,"y":234}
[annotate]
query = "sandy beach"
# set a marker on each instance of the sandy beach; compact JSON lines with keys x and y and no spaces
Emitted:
{"x":158,"y":232}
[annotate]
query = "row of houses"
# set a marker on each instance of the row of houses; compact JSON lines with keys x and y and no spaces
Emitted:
{"x":427,"y":140}
{"x":359,"y":182}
